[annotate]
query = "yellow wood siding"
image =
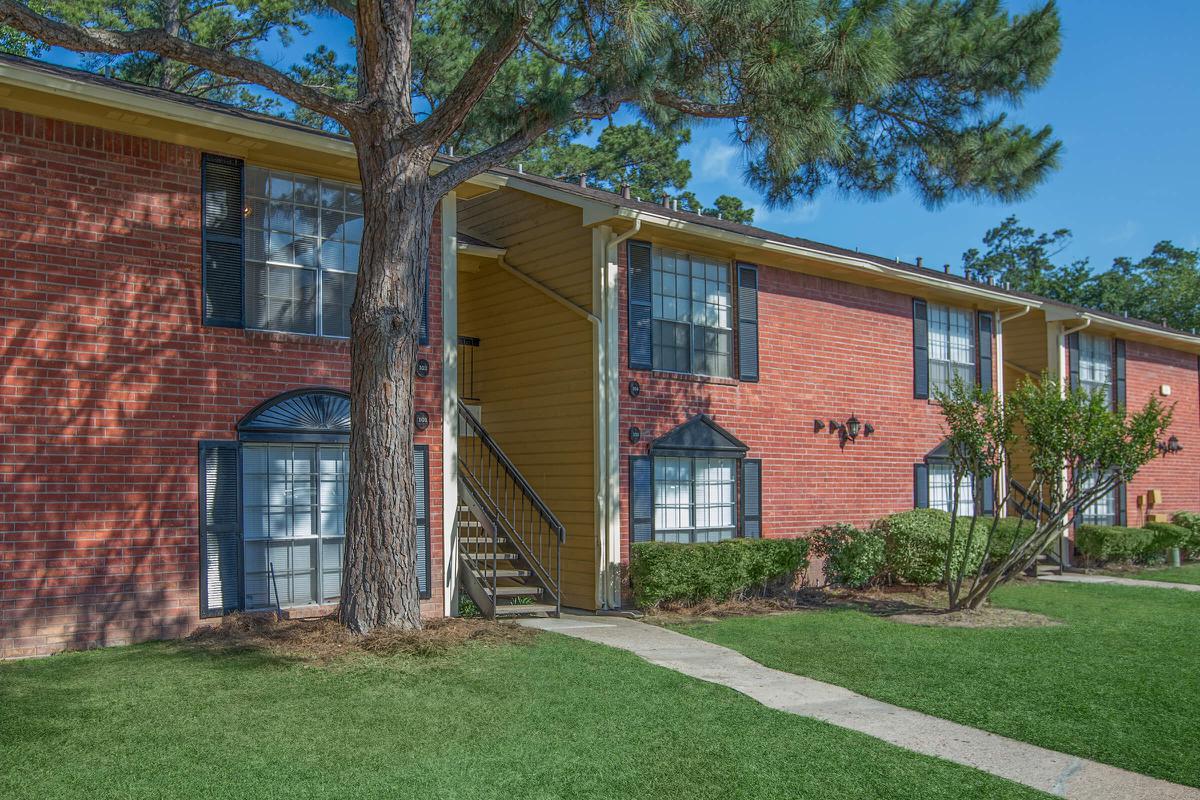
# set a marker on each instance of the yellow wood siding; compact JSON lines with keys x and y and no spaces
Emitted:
{"x":1024,"y":357}
{"x":533,"y":369}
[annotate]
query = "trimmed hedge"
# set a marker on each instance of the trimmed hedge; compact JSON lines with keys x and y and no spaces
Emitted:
{"x":1168,"y":536}
{"x":915,"y":544}
{"x":690,"y":573}
{"x":1114,"y":543}
{"x":853,"y":557}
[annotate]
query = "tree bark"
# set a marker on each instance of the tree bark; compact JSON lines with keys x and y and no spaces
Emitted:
{"x":379,"y":585}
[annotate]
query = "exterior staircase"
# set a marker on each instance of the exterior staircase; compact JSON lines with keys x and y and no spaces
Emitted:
{"x":1033,"y":509}
{"x":509,"y":542}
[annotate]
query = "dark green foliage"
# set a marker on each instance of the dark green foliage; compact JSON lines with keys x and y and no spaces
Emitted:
{"x":853,"y":557}
{"x":1162,"y":287}
{"x":915,"y":544}
{"x":689,"y":573}
{"x":1168,"y":536}
{"x":1008,"y":529}
{"x":1105,"y":543}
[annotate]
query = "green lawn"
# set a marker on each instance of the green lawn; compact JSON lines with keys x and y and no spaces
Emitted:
{"x":1188,"y":573}
{"x":558,"y":718}
{"x":1118,"y":683}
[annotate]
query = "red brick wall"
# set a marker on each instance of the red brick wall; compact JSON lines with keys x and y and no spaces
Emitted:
{"x":110,"y":380}
{"x":1147,"y":369}
{"x":827,"y":349}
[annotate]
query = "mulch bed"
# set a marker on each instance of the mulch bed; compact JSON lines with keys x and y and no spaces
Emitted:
{"x":911,"y":605}
{"x":323,"y":640}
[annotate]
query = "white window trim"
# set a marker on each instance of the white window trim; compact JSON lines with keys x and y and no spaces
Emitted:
{"x":656,"y":255}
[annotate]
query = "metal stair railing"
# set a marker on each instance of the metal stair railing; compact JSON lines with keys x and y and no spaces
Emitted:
{"x":519,"y":513}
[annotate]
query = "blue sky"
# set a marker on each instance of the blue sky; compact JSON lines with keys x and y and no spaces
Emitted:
{"x":1124,"y":98}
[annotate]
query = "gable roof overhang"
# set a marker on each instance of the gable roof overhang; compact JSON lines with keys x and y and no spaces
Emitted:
{"x":699,"y":437}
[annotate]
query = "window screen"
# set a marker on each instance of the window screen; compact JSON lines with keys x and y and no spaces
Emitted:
{"x":1095,"y":364}
{"x":941,"y":489}
{"x":302,"y":245}
{"x":694,"y":499}
{"x":951,"y":346}
{"x":693,"y":325}
{"x":294,"y":519}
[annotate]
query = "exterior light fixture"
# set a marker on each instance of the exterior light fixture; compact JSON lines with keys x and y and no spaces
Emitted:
{"x":853,"y":425}
{"x":635,"y":434}
{"x":421,"y":420}
{"x":1173,"y":445}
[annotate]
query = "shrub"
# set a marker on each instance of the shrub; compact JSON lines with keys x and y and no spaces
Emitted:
{"x":853,"y":557}
{"x":1167,"y":536}
{"x":690,"y":573}
{"x":1191,"y":521}
{"x":915,"y":544}
{"x":1113,"y":543}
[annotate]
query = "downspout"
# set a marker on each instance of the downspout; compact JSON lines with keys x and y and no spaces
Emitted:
{"x":1002,"y":478}
{"x":610,"y":550}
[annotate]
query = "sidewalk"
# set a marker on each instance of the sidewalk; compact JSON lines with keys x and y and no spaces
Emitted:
{"x":1072,"y":578}
{"x":1057,"y":773}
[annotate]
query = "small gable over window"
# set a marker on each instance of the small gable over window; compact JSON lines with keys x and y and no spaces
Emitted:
{"x":305,"y":415}
{"x":699,"y":437}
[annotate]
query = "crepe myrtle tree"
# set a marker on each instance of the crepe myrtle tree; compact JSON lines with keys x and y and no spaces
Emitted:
{"x":861,"y":95}
{"x":1078,"y":449}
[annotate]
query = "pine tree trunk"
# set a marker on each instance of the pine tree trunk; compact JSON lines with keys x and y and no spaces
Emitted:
{"x":379,"y":582}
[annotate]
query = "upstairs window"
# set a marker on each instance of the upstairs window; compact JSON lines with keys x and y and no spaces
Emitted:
{"x":951,"y":346}
{"x":1096,"y":364}
{"x":692,"y":314}
{"x":301,"y":252}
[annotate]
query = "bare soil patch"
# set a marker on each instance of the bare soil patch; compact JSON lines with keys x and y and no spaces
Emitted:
{"x":323,"y":640}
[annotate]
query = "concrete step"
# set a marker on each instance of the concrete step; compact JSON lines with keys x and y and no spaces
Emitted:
{"x":542,"y":609}
{"x":515,"y":591}
{"x":481,"y":540}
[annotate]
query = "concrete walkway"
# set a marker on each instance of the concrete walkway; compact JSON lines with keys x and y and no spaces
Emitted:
{"x":1073,"y":578}
{"x":1057,"y":773}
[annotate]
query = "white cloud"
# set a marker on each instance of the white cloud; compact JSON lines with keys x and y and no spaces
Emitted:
{"x":716,"y":162}
{"x":786,"y":220}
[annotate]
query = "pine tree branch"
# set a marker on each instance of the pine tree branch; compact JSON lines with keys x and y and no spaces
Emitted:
{"x":532,"y":124}
{"x":696,"y":108}
{"x":160,"y":43}
{"x":346,"y":8}
{"x":450,"y":113}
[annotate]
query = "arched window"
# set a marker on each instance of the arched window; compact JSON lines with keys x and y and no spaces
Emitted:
{"x":295,"y":467}
{"x":273,"y":506}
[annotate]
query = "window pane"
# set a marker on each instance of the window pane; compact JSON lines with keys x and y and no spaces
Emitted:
{"x":951,"y":341}
{"x":691,"y":307}
{"x":672,"y":493}
{"x":941,"y":484}
{"x":337,"y":293}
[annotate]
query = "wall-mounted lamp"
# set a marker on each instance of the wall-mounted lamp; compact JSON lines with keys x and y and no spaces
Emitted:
{"x":1172,"y":445}
{"x":847,"y":431}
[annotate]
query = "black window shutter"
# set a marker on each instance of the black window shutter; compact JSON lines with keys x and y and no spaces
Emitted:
{"x":1073,"y":357}
{"x":641,"y":307}
{"x":220,"y":528}
{"x":1121,"y":504}
{"x":920,"y":486}
{"x":989,"y":496}
{"x":221,"y":240}
{"x":984,"y":344}
{"x":421,"y":487}
{"x":1119,"y":373}
{"x":920,"y":349}
{"x":747,"y":322}
{"x":425,"y":308}
{"x":752,"y":498}
{"x":641,"y":506}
